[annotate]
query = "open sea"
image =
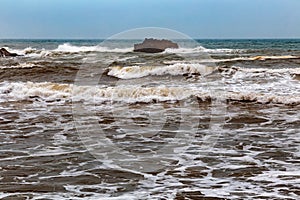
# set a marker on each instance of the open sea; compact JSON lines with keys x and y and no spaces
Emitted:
{"x":91,"y":119}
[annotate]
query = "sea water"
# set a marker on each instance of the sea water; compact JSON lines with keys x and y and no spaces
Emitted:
{"x":88,"y":119}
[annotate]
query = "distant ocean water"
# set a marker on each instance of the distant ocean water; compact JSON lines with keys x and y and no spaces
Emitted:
{"x":91,"y":119}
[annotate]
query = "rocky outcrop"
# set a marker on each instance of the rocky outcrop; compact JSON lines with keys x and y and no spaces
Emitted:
{"x":150,"y":45}
{"x":5,"y":53}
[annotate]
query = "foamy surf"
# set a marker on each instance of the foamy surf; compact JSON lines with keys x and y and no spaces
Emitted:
{"x":54,"y":91}
{"x":20,"y":65}
{"x":243,"y":58}
{"x":131,"y":94}
{"x":130,"y":72}
{"x":233,"y":69}
{"x":201,"y":50}
{"x":66,"y":47}
{"x":263,"y":98}
{"x":183,"y":50}
{"x":258,"y":128}
{"x":255,"y":58}
{"x":69,"y":48}
{"x":273,"y":57}
{"x":262,"y":58}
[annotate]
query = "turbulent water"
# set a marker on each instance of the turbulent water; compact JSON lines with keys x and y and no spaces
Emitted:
{"x":91,"y":119}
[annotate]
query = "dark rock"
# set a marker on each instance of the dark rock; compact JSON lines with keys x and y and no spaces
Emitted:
{"x":5,"y":53}
{"x":150,"y":45}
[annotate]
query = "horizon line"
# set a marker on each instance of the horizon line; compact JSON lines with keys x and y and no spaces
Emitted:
{"x":243,"y":38}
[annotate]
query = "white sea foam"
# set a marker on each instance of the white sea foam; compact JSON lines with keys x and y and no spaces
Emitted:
{"x":66,"y":47}
{"x":271,"y":71}
{"x":183,"y":50}
{"x":259,"y":71}
{"x":201,"y":49}
{"x":21,"y":65}
{"x":130,"y":72}
{"x":261,"y":58}
{"x":131,"y":94}
{"x":52,"y":91}
{"x":264,"y":98}
{"x":258,"y":58}
{"x":223,"y":50}
{"x":273,"y":57}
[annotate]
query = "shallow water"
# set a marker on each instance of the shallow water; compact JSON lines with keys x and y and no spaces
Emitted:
{"x":85,"y":121}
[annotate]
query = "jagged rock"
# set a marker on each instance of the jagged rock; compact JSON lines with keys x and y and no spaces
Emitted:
{"x":150,"y":45}
{"x":5,"y":53}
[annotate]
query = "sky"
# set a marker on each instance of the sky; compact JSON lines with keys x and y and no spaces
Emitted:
{"x":99,"y":19}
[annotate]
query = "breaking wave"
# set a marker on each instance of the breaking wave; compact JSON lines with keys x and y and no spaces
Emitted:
{"x":262,"y":58}
{"x":263,"y":98}
{"x":273,"y":57}
{"x":131,"y":94}
{"x":21,"y":65}
{"x":245,"y":71}
{"x":53,"y":91}
{"x":130,"y":72}
{"x":66,"y":47}
{"x":69,"y":48}
{"x":255,"y":58}
{"x":201,"y":49}
{"x":223,"y":60}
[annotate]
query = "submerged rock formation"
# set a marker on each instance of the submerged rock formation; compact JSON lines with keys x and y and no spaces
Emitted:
{"x":150,"y":45}
{"x":5,"y":53}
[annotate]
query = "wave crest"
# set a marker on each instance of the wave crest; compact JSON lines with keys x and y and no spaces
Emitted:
{"x":131,"y":94}
{"x":131,"y":72}
{"x":66,"y":47}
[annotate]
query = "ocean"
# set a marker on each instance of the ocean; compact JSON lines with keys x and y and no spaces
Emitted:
{"x":91,"y":119}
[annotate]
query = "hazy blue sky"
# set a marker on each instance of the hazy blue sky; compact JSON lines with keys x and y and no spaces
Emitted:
{"x":103,"y":18}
